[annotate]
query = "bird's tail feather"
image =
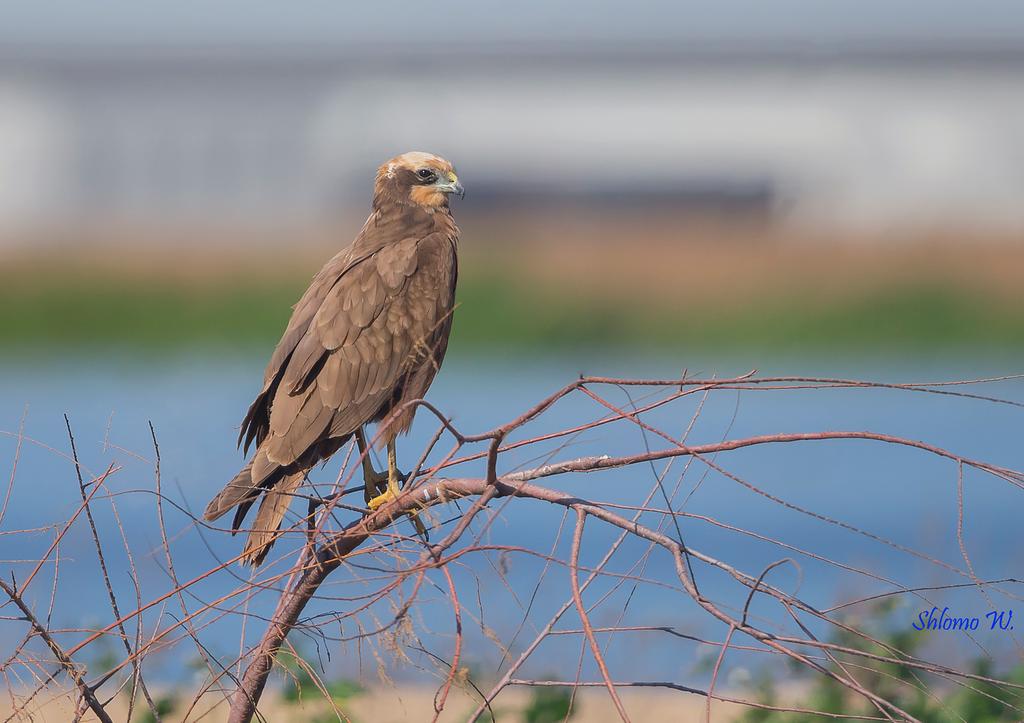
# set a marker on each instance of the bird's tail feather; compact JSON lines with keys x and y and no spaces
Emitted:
{"x":266,"y":526}
{"x":237,"y":490}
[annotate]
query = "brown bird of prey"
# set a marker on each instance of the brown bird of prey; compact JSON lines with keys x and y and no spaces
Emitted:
{"x":367,"y":336}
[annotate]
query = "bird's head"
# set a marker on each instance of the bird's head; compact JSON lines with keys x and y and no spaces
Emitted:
{"x":417,"y":178}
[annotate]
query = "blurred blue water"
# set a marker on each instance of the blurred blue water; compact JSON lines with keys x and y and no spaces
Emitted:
{"x":195,"y":405}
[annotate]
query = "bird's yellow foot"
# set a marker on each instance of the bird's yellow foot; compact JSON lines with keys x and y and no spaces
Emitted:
{"x":389,"y":495}
{"x":374,"y":482}
{"x":414,"y":515}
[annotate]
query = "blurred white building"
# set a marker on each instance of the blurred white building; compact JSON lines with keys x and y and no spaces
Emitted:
{"x":858,"y":140}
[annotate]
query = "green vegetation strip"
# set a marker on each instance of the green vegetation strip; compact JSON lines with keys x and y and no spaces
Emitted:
{"x":504,"y":314}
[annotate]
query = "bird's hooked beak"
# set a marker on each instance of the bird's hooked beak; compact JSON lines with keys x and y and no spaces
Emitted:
{"x":452,"y":186}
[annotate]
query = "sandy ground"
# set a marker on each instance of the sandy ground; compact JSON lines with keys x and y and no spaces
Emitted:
{"x":415,"y":704}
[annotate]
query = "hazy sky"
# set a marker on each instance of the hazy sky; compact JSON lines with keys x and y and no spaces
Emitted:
{"x":458,"y":22}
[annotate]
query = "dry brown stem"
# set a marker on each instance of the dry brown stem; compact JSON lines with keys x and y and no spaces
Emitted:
{"x":338,"y":541}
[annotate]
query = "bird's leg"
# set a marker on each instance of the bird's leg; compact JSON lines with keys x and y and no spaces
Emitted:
{"x":395,"y":481}
{"x":394,"y":477}
{"x":372,"y":479}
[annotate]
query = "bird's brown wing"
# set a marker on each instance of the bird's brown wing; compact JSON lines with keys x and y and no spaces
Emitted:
{"x":347,"y":364}
{"x":355,"y":350}
{"x":256,"y":423}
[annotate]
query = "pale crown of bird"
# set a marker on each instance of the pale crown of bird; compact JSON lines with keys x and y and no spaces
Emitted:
{"x":417,"y":177}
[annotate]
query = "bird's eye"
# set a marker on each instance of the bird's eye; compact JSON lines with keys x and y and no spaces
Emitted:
{"x":426,"y":174}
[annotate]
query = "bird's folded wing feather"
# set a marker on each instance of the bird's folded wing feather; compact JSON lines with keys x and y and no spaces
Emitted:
{"x":255,"y":424}
{"x":348,"y":361}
